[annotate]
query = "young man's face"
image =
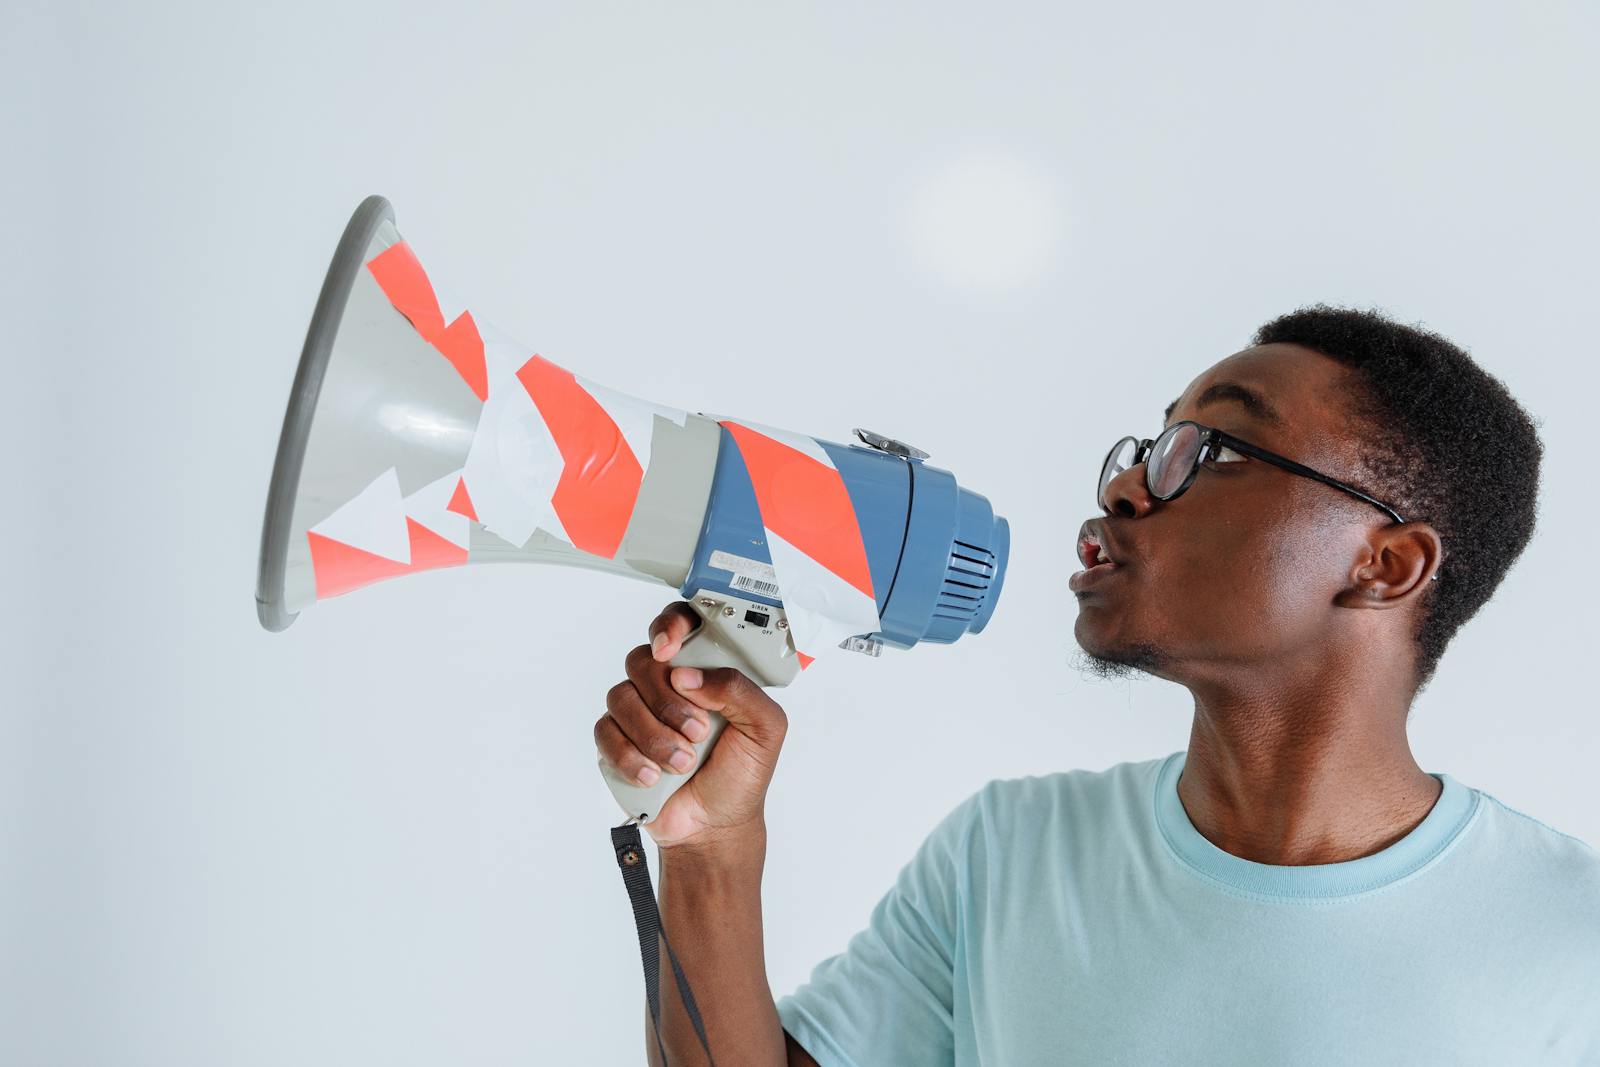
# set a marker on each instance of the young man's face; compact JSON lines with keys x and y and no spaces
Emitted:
{"x":1242,"y":570}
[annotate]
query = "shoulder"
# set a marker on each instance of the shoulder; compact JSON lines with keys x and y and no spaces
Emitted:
{"x":1539,"y":882}
{"x":1013,"y":830}
{"x":1065,"y":799}
{"x":1547,"y":855}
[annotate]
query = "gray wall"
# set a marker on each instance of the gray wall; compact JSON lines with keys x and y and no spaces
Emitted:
{"x":1007,"y":238}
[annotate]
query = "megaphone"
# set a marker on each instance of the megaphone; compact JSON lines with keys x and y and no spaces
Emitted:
{"x":418,"y":436}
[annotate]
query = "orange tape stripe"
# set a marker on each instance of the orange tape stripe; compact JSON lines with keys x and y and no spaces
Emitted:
{"x":600,"y":480}
{"x":341,"y":568}
{"x":805,"y":503}
{"x":461,"y":503}
{"x":406,"y":284}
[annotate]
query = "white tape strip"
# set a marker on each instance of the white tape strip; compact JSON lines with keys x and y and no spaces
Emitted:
{"x":429,"y":507}
{"x":636,"y":418}
{"x":823,"y":608}
{"x":513,"y":466}
{"x":373,"y":521}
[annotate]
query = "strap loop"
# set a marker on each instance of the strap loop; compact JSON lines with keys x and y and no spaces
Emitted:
{"x":635,"y":868}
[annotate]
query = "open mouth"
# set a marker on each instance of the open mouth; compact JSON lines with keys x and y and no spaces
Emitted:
{"x":1093,"y":555}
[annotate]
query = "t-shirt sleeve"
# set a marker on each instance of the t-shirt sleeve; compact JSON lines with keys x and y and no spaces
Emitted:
{"x":887,"y":999}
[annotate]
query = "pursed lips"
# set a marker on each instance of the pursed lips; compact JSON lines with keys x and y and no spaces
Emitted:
{"x":1097,"y":554}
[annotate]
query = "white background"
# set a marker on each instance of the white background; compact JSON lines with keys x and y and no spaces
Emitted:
{"x":1005,"y":237}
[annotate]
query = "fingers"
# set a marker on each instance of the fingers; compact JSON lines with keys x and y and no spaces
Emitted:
{"x":729,"y":691}
{"x":649,"y":680}
{"x":645,"y":724}
{"x":623,"y":754}
{"x":676,"y":621}
{"x":655,"y":717}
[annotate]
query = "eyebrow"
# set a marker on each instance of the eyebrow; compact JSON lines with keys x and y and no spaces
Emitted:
{"x":1252,"y":402}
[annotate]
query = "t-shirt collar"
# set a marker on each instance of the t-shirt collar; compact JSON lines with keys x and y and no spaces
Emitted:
{"x":1427,"y":841}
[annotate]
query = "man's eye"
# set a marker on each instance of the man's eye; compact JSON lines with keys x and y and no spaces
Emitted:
{"x":1222,"y":454}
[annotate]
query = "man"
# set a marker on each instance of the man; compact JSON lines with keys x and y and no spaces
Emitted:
{"x":1323,"y":511}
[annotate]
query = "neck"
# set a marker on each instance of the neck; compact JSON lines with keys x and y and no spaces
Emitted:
{"x":1294,"y":774}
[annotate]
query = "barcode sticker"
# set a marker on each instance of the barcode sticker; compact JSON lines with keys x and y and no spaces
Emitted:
{"x":755,"y":585}
{"x":750,"y":575}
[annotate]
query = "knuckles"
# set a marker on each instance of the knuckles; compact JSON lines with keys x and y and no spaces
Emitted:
{"x":737,"y":689}
{"x":677,"y":611}
{"x":615,"y":695}
{"x":666,"y":706}
{"x":623,"y":702}
{"x":605,"y":739}
{"x":638,"y":661}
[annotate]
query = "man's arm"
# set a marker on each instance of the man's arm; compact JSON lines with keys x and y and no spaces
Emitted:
{"x":712,"y":842}
{"x":798,"y":1057}
{"x":710,"y":903}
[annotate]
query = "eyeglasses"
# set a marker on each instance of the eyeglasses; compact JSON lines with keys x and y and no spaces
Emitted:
{"x":1173,"y":459}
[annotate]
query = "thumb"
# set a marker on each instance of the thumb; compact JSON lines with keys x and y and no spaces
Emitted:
{"x":730,"y":692}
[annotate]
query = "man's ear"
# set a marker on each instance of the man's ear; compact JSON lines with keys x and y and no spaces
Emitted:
{"x":1395,"y":566}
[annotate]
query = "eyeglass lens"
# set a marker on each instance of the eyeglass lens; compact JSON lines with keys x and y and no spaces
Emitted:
{"x":1171,"y":459}
{"x":1120,"y":459}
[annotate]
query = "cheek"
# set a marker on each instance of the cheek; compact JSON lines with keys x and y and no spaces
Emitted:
{"x":1244,"y":588}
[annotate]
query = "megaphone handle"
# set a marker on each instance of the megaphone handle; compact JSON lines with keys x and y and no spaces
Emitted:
{"x":724,"y":638}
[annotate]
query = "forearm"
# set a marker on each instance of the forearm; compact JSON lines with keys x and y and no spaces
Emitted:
{"x":710,"y":903}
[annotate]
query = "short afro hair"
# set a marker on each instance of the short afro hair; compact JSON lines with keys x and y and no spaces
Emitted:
{"x":1444,"y":442}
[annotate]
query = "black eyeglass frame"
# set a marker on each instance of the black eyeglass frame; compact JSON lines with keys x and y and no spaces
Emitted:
{"x":1212,"y":439}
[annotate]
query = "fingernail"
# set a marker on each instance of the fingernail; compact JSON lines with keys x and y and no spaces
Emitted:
{"x":680,"y":759}
{"x":649,"y":776}
{"x":687,"y":678}
{"x":694,"y":730}
{"x":656,"y":643}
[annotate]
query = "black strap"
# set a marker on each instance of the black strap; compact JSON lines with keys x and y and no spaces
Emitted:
{"x":625,"y":842}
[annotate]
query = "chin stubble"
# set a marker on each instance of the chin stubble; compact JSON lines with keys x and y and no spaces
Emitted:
{"x":1120,"y":662}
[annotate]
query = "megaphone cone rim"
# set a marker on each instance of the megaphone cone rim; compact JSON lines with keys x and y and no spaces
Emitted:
{"x":320,"y":336}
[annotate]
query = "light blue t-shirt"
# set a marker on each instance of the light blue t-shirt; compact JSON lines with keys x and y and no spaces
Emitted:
{"x":1079,"y":918}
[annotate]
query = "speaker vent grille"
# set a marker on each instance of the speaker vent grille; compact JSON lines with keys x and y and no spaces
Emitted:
{"x":967,"y":577}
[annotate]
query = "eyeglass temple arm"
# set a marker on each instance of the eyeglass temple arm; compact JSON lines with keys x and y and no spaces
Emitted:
{"x":1290,"y":465}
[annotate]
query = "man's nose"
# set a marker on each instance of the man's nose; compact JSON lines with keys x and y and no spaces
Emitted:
{"x":1127,"y":495}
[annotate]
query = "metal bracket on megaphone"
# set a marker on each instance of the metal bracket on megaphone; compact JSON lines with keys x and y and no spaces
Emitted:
{"x":733,"y":632}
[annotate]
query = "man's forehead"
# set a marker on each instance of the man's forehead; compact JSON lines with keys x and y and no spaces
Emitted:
{"x":1270,"y":384}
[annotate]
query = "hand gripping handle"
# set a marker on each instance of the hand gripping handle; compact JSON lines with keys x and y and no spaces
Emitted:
{"x":733,"y":632}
